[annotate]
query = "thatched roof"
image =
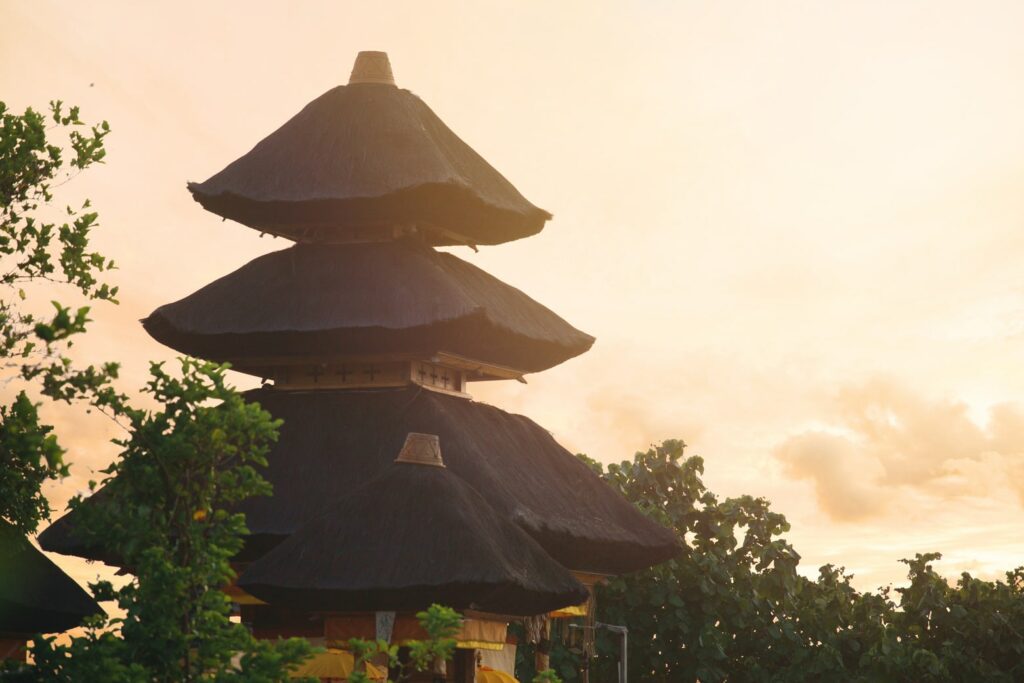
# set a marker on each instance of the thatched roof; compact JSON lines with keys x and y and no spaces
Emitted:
{"x":314,"y":301}
{"x":414,"y":535}
{"x":35,"y":595}
{"x":361,"y":160}
{"x":333,"y":441}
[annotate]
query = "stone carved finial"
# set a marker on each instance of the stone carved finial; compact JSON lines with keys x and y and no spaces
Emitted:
{"x":421,"y":449}
{"x":372,"y":67}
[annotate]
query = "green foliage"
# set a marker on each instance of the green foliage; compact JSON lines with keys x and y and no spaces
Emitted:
{"x":31,"y":455}
{"x":441,"y":625}
{"x":547,"y":676}
{"x":30,"y":163}
{"x":968,"y":631}
{"x":732,"y":606}
{"x":713,"y":607}
{"x":38,"y":153}
{"x":166,"y":514}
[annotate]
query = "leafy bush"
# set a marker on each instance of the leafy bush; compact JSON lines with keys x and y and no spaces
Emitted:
{"x":732,"y":606}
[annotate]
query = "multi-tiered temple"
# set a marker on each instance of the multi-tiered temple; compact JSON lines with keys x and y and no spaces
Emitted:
{"x":367,"y":338}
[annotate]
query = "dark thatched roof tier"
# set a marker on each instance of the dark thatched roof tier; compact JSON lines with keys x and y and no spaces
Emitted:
{"x":333,"y":441}
{"x":362,"y":160}
{"x":414,"y":535}
{"x":317,"y":301}
{"x":35,"y":595}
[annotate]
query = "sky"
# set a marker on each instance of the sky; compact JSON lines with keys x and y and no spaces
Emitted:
{"x":793,"y":227}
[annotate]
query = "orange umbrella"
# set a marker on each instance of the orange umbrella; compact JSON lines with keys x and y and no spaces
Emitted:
{"x":485,"y":674}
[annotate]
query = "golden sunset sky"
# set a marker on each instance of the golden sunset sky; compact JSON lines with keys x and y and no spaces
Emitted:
{"x":795,"y":228}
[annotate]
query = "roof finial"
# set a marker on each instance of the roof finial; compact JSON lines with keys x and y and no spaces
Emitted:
{"x":421,"y":449}
{"x":372,"y":67}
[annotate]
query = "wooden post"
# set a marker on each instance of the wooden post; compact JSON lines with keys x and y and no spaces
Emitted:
{"x":464,"y":666}
{"x":13,"y":648}
{"x":542,"y":658}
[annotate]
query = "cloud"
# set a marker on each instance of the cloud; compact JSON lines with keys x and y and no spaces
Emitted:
{"x":845,"y":484}
{"x":884,"y":440}
{"x":629,"y":422}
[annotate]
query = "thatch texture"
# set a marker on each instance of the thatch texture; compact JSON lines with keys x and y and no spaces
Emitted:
{"x":412,"y":536}
{"x":316,"y":301}
{"x":60,"y":536}
{"x":361,"y":160}
{"x":35,"y":595}
{"x":333,"y":441}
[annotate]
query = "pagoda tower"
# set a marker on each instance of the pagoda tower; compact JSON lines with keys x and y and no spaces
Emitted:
{"x":393,"y":488}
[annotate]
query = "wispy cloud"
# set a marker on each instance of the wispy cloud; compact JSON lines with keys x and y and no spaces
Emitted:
{"x":885,"y":439}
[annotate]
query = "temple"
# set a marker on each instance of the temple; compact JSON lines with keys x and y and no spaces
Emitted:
{"x":35,"y":595}
{"x":393,"y":488}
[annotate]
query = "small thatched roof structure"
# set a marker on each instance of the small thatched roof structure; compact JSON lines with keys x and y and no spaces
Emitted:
{"x":414,"y":535}
{"x":330,"y":301}
{"x":362,"y":160}
{"x":334,"y":441}
{"x":35,"y":595}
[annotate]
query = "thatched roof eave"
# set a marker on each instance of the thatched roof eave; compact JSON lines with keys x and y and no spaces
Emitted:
{"x":369,"y":156}
{"x":415,"y":535}
{"x":312,"y":302}
{"x":332,"y":441}
{"x":36,"y":596}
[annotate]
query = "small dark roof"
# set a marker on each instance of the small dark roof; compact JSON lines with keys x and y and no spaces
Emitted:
{"x":35,"y":595}
{"x":315,"y":301}
{"x":414,"y":535}
{"x":361,"y":160}
{"x":333,"y":441}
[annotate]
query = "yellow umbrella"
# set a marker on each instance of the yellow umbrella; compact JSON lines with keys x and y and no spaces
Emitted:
{"x":334,"y":664}
{"x":485,"y":674}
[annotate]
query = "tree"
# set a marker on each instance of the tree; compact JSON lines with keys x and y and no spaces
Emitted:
{"x":732,"y":606}
{"x":166,"y":515}
{"x":712,"y":608}
{"x":38,"y":153}
{"x":166,"y":512}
